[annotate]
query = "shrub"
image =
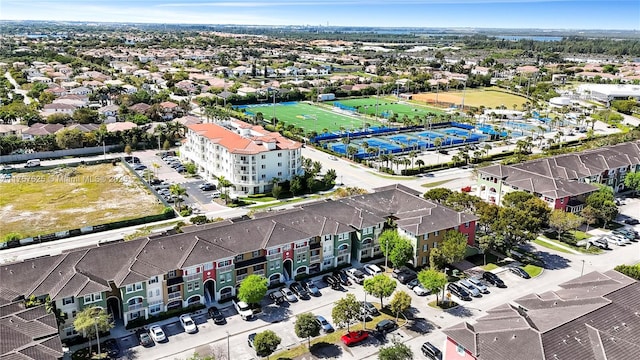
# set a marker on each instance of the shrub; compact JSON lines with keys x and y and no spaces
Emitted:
{"x":632,"y":271}
{"x":139,"y":322}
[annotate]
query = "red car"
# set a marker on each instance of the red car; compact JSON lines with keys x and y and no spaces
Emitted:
{"x":354,"y":337}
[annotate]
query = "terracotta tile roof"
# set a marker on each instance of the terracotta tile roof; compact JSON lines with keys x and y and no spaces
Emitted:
{"x":237,"y":144}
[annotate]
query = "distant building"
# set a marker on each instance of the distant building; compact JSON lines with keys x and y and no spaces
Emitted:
{"x":606,"y":93}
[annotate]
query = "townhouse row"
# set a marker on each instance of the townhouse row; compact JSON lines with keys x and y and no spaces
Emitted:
{"x":204,"y":264}
{"x":564,"y":181}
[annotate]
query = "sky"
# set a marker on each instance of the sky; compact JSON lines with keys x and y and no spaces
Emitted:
{"x":538,"y":14}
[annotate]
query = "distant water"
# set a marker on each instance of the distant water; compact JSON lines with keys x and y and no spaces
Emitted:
{"x":535,"y":38}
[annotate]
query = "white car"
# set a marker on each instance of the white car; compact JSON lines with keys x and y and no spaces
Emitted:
{"x":420,"y":290}
{"x":470,"y":288}
{"x":288,"y":294}
{"x":616,"y":240}
{"x":372,"y":269}
{"x":157,"y":334}
{"x":479,"y":285}
{"x":188,"y":324}
{"x":243,"y":309}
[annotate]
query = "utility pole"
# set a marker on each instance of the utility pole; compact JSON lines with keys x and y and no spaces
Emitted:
{"x":98,"y":337}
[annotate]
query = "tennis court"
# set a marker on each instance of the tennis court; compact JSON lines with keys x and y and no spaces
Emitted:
{"x":386,"y":108}
{"x":307,"y":116}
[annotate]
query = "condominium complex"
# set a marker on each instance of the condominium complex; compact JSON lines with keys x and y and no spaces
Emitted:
{"x":145,"y":277}
{"x":247,"y":155}
{"x":563,"y":181}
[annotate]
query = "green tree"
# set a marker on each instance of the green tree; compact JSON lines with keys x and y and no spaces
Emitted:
{"x":397,"y":351}
{"x":266,"y":343}
{"x":438,"y":195}
{"x":400,"y":303}
{"x":90,"y":320}
{"x":253,"y":289}
{"x":85,"y":116}
{"x":295,"y":186}
{"x":436,"y":259}
{"x":401,"y":252}
{"x":380,"y":286}
{"x":485,"y":242}
{"x":127,"y":149}
{"x":433,"y":281}
{"x":69,"y":138}
{"x":564,"y":221}
{"x":306,"y":327}
{"x":603,"y":202}
{"x":178,"y":192}
{"x":632,"y":181}
{"x":387,"y":240}
{"x":166,"y":145}
{"x":590,"y":215}
{"x":454,"y":246}
{"x":346,"y":310}
{"x":276,"y":191}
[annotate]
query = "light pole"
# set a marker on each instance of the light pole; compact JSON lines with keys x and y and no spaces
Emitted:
{"x":228,"y":347}
{"x":582,"y":271}
{"x":364,"y":313}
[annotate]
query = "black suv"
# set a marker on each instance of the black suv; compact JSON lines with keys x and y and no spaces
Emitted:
{"x":405,"y":275}
{"x":277,"y":297}
{"x":385,"y":326}
{"x":342,"y":277}
{"x":493,"y":279}
{"x":459,"y":292}
{"x":216,"y":315}
{"x":333,"y":282}
{"x":299,"y":290}
{"x":369,"y":309}
{"x":430,"y":351}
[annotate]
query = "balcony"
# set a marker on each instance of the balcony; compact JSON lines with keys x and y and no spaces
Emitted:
{"x":315,"y":245}
{"x":344,"y":252}
{"x":301,"y":249}
{"x":315,"y":259}
{"x":225,"y":269}
{"x":136,"y":306}
{"x":239,"y":278}
{"x":192,"y":277}
{"x":276,"y":256}
{"x":174,"y":296}
{"x":175,"y":281}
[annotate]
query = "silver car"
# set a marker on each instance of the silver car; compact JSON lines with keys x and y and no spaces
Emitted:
{"x":288,"y":294}
{"x":465,"y":284}
{"x":479,"y":285}
{"x":324,"y":324}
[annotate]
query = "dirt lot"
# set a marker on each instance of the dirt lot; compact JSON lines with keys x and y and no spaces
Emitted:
{"x":42,"y":202}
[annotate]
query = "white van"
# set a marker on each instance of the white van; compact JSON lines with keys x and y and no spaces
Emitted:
{"x":32,"y":163}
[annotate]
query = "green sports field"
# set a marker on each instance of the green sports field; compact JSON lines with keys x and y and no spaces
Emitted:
{"x":310,"y":117}
{"x":387,"y":106}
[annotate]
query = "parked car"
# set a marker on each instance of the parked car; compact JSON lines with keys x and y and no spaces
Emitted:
{"x":615,"y":240}
{"x":188,"y":324}
{"x":354,"y":337}
{"x":430,"y":351}
{"x":458,"y":291}
{"x":243,"y":309}
{"x":251,"y":338}
{"x":181,"y":169}
{"x":342,"y":277}
{"x":299,"y":291}
{"x":145,"y":339}
{"x":139,"y":167}
{"x":332,"y":282}
{"x":277,"y":297}
{"x":370,"y":309}
{"x":520,"y":272}
{"x":625,"y":233}
{"x":470,"y":288}
{"x":413,"y":283}
{"x":333,"y":158}
{"x":372,"y":269}
{"x":157,"y":334}
{"x":288,"y":294}
{"x":631,"y":221}
{"x":405,"y":275}
{"x":479,"y":285}
{"x":215,"y":194}
{"x":386,"y":325}
{"x":207,"y":187}
{"x":420,"y":290}
{"x":602,"y":243}
{"x":356,"y":275}
{"x":493,"y":279}
{"x":216,"y":315}
{"x":311,"y":287}
{"x":324,"y":324}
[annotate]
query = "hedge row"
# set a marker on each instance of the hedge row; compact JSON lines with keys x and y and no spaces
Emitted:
{"x":140,"y":322}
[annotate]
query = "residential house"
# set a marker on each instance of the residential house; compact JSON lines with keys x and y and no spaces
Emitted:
{"x":139,"y":108}
{"x":592,"y":317}
{"x":169,"y":110}
{"x":109,"y":112}
{"x":121,"y":126}
{"x":9,"y":129}
{"x":58,"y":108}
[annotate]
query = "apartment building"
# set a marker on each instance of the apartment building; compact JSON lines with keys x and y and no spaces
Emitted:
{"x":145,"y":277}
{"x":249,"y":156}
{"x":563,"y":181}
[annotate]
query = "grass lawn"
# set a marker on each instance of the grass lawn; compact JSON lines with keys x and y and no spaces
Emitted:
{"x":392,"y":177}
{"x":435,"y":183}
{"x":334,"y":337}
{"x":444,"y":305}
{"x":591,"y":250}
{"x":387,"y":106}
{"x":65,"y":198}
{"x":490,"y":98}
{"x":309,"y":117}
{"x":490,"y":266}
{"x":532,"y":270}
{"x":551,"y":246}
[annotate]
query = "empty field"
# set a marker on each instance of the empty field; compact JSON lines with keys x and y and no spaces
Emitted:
{"x":309,"y":117}
{"x":43,"y":202}
{"x":472,"y":97}
{"x":385,"y":107}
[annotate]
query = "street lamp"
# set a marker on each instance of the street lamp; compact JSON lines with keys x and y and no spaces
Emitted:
{"x":97,"y":336}
{"x":364,"y":313}
{"x":228,"y":348}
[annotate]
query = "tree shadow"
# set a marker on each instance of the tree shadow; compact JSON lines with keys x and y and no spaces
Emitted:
{"x":324,"y":350}
{"x":460,"y":311}
{"x":276,"y":313}
{"x":421,"y":326}
{"x":553,"y":261}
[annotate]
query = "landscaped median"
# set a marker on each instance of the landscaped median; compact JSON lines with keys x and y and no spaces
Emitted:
{"x":334,"y":337}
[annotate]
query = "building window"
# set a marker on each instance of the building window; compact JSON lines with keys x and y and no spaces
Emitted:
{"x":367,"y":231}
{"x":67,"y":301}
{"x":437,"y":233}
{"x":274,"y":251}
{"x":256,"y":253}
{"x":153,"y":280}
{"x":258,"y":267}
{"x":225,"y":277}
{"x":134,"y":287}
{"x":301,"y":245}
{"x":171,"y":274}
{"x":466,"y":224}
{"x":279,"y":173}
{"x":224,"y":263}
{"x":157,"y":292}
{"x":279,"y":154}
{"x":425,"y":247}
{"x":263,"y":157}
{"x":264,"y":166}
{"x":435,"y":244}
{"x":208,"y":266}
{"x":301,"y":257}
{"x":155,"y":308}
{"x":239,"y":257}
{"x":459,"y":349}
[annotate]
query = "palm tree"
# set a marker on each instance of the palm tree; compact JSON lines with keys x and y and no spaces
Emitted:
{"x":352,"y":151}
{"x":224,"y":184}
{"x":420,"y":163}
{"x":177,"y":191}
